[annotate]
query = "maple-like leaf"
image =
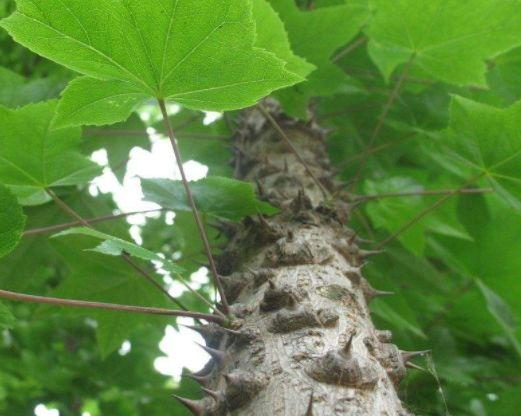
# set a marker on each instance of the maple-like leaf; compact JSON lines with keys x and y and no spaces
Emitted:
{"x":12,"y":221}
{"x":34,"y":155}
{"x":450,"y":39}
{"x":198,"y":53}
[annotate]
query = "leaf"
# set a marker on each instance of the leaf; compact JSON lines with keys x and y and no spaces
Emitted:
{"x":104,"y":278}
{"x":483,"y":140}
{"x":501,"y":312}
{"x":316,"y":35}
{"x":449,"y":39}
{"x":113,"y":246}
{"x":35,"y":156}
{"x":118,"y":141}
{"x":214,"y":195}
{"x":16,"y":91}
{"x":271,"y":35}
{"x":7,"y":319}
{"x":12,"y":221}
{"x":199,"y":54}
{"x":393,"y":213}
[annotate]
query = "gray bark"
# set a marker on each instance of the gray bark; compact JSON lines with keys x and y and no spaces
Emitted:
{"x":304,"y":341}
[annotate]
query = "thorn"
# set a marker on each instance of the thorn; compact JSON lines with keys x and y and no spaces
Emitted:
{"x":347,"y":347}
{"x":202,"y":380}
{"x":271,"y":284}
{"x":416,"y":367}
{"x":408,"y":355}
{"x":286,"y":167}
{"x":260,"y":189}
{"x":218,"y":356}
{"x":309,"y":411}
{"x":216,"y":395}
{"x":363,"y":254}
{"x":232,"y":378}
{"x":370,"y":292}
{"x":195,"y":406}
{"x":361,"y":240}
{"x":352,"y":239}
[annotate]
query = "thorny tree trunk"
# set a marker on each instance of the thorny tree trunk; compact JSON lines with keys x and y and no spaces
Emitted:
{"x":308,"y":346}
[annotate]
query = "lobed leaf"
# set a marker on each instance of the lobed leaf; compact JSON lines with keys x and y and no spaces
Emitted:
{"x":12,"y":221}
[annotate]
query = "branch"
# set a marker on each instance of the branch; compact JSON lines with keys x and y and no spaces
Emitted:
{"x":381,"y":120}
{"x":195,"y":212}
{"x":426,"y":211}
{"x":424,"y":192}
{"x":349,"y":48}
{"x":108,"y":306}
{"x":68,"y":210}
{"x":293,"y":149}
{"x":59,"y":227}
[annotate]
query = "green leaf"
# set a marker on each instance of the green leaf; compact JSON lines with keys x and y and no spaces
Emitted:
{"x":214,"y":195}
{"x":271,"y":35}
{"x":486,"y":141}
{"x":200,"y":54}
{"x":103,"y":278}
{"x":118,"y":141}
{"x":316,"y":35}
{"x":501,"y":312}
{"x":393,"y":213}
{"x":35,"y":156}
{"x":7,"y":319}
{"x":12,"y":221}
{"x":113,"y":246}
{"x":91,"y":101}
{"x":449,"y":39}
{"x":16,"y":91}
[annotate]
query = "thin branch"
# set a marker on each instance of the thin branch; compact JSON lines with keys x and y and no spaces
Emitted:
{"x":59,"y":227}
{"x":381,"y":120}
{"x":68,"y":210}
{"x":293,"y":149}
{"x":195,"y":212}
{"x":139,"y":133}
{"x":426,"y":211}
{"x":424,"y":192}
{"x":349,"y":48}
{"x":108,"y":306}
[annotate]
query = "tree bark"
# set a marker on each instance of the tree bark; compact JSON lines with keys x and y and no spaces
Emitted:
{"x":304,"y":343}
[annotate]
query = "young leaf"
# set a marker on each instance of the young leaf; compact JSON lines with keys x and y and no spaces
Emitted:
{"x":12,"y":221}
{"x":198,"y":53}
{"x":214,"y":195}
{"x":316,"y":35}
{"x":113,"y":246}
{"x":35,"y":156}
{"x":6,"y":317}
{"x":449,"y":39}
{"x":485,"y":140}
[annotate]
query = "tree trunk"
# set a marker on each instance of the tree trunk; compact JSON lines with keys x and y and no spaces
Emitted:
{"x":305,"y":343}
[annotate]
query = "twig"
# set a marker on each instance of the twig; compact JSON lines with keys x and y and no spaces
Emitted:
{"x":424,"y":192}
{"x":381,"y":120}
{"x":195,"y":212}
{"x":138,"y":133}
{"x":67,"y":209}
{"x":59,"y":227}
{"x":293,"y":149}
{"x":426,"y":211}
{"x":108,"y":306}
{"x":349,"y":48}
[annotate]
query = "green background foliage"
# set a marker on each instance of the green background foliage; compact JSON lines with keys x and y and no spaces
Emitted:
{"x":454,"y":122}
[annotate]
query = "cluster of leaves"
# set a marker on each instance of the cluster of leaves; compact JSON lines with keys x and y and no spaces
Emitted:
{"x":420,"y":95}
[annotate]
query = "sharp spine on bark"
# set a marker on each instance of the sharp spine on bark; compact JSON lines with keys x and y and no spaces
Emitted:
{"x":309,"y":411}
{"x":408,"y":355}
{"x":349,"y":344}
{"x":216,"y":395}
{"x":363,"y":254}
{"x":202,"y":380}
{"x":370,"y":292}
{"x":197,"y":407}
{"x":416,"y":367}
{"x":217,"y":355}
